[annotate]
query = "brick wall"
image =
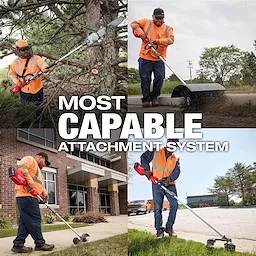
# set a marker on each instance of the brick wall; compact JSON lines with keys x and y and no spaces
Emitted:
{"x":123,"y":199}
{"x":120,"y":165}
{"x":93,"y":199}
{"x":12,"y":150}
{"x":114,"y":203}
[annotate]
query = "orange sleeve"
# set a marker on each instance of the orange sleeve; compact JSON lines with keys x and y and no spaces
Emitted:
{"x":25,"y":164}
{"x":13,"y":73}
{"x":41,"y":63}
{"x":169,"y":39}
{"x":137,"y":27}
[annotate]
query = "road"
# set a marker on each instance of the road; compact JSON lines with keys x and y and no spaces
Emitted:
{"x":237,"y":223}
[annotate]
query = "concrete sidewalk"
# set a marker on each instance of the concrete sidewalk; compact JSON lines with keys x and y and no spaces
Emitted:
{"x":64,"y":238}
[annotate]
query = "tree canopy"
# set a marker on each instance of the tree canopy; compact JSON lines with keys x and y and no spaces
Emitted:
{"x":56,"y":27}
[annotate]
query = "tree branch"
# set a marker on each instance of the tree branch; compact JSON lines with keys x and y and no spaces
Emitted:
{"x":68,"y":22}
{"x":66,"y":62}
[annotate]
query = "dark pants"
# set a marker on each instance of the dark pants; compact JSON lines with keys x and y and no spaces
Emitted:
{"x":29,"y":221}
{"x":37,"y":97}
{"x":158,"y":197}
{"x":146,"y":68}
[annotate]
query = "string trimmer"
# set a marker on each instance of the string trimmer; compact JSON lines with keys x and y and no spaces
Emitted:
{"x":210,"y":242}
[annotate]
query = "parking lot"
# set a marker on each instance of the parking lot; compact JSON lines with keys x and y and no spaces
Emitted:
{"x":237,"y":223}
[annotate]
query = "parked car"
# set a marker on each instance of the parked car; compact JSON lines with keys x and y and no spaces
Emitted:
{"x":165,"y":204}
{"x":139,"y":206}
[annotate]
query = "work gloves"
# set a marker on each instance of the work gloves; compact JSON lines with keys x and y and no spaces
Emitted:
{"x":17,"y":87}
{"x":148,"y":173}
{"x":34,"y":192}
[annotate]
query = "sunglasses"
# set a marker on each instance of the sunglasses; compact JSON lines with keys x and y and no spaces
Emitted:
{"x":24,"y":49}
{"x":159,"y":18}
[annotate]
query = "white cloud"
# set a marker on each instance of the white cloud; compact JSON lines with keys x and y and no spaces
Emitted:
{"x":197,"y":25}
{"x":7,"y":61}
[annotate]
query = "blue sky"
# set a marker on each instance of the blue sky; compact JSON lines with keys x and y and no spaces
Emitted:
{"x":197,"y":24}
{"x":198,"y":169}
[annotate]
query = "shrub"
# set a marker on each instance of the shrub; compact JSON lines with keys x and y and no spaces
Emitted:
{"x":90,"y":217}
{"x":48,"y":218}
{"x":5,"y":223}
{"x":66,"y":217}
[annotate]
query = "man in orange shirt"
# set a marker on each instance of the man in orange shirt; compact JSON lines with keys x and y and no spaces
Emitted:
{"x":164,"y":165}
{"x":26,"y":197}
{"x":25,"y":65}
{"x":160,"y":36}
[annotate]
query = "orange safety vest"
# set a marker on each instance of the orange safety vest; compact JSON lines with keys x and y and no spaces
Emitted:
{"x":33,"y":175}
{"x":162,"y":167}
{"x":151,"y":31}
{"x":35,"y":64}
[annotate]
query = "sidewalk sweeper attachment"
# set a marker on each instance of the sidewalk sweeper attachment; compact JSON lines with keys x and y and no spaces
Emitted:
{"x":195,"y":95}
{"x":18,"y":178}
{"x":210,"y":242}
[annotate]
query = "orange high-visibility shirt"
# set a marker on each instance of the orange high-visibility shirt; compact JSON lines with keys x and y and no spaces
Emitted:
{"x":162,"y":167}
{"x":33,"y":175}
{"x":35,"y":64}
{"x":151,"y":31}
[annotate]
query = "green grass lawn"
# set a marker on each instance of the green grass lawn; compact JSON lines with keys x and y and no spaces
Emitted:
{"x":168,"y":86}
{"x":45,"y":228}
{"x":145,"y":244}
{"x":113,"y":246}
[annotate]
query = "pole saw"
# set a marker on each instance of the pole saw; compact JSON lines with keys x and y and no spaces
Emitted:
{"x":210,"y":242}
{"x":92,"y":38}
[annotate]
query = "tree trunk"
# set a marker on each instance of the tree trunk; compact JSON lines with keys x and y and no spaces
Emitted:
{"x":102,"y":79}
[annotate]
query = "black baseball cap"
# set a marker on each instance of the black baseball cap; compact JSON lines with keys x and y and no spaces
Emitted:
{"x":159,"y":13}
{"x":46,"y":158}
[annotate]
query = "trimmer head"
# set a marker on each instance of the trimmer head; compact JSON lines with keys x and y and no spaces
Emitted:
{"x":228,"y":245}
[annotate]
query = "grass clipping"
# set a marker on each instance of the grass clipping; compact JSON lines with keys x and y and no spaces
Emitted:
{"x":145,"y":244}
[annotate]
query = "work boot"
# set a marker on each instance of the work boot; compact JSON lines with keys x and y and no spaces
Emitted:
{"x":160,"y":234}
{"x":146,"y":104}
{"x":23,"y":249}
{"x":155,"y":103}
{"x":171,"y":232}
{"x":44,"y":247}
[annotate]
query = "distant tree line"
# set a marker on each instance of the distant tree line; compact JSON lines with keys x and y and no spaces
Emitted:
{"x":239,"y":181}
{"x":226,"y":65}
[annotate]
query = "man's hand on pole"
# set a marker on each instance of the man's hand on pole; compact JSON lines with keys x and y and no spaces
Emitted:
{"x":148,"y":173}
{"x":34,"y":192}
{"x":156,"y":41}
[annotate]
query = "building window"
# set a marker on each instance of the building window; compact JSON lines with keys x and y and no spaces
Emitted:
{"x":91,"y":158}
{"x":50,"y":185}
{"x":77,"y":199}
{"x":43,"y":136}
{"x":104,"y":200}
